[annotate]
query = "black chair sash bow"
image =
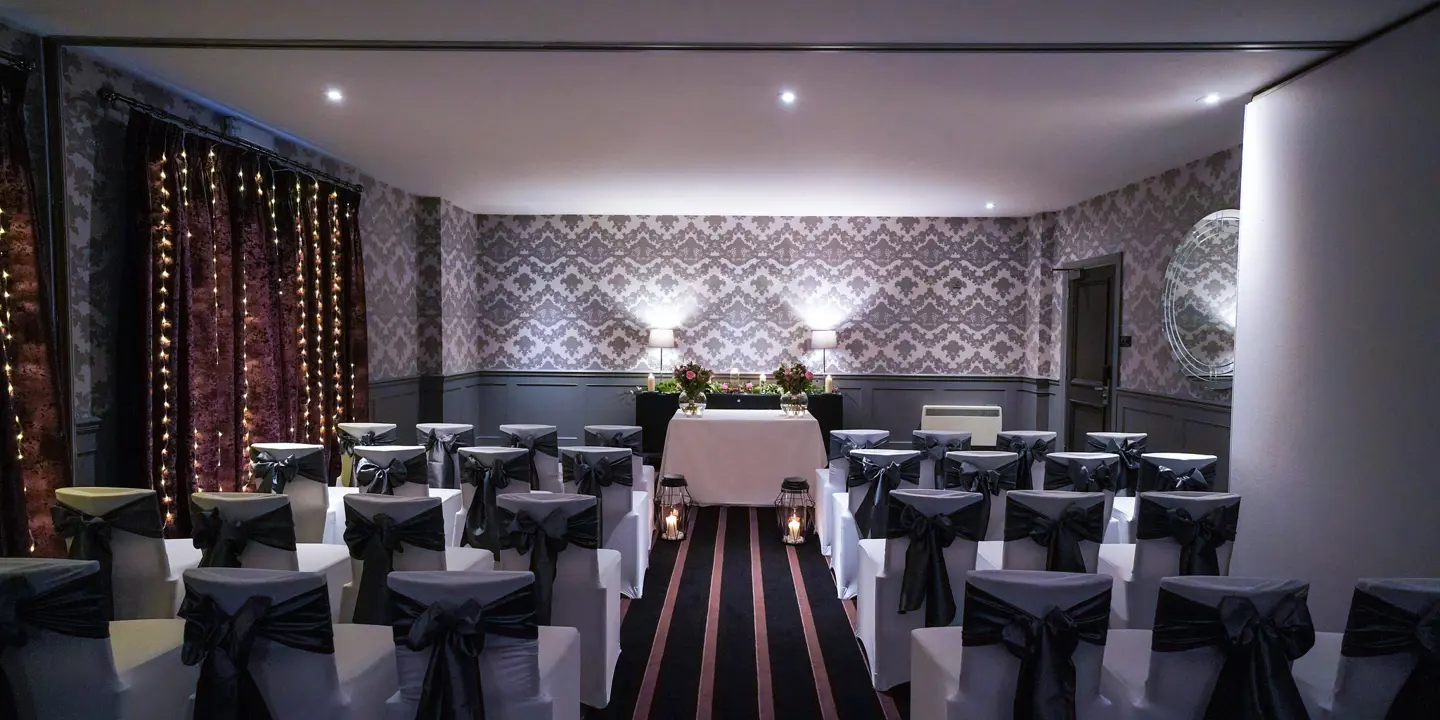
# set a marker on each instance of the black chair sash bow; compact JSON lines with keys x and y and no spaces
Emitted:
{"x":383,"y":479}
{"x":1060,"y":536}
{"x":221,"y":541}
{"x":348,"y":442}
{"x":543,"y":540}
{"x":547,"y":444}
{"x":840,"y":445}
{"x":221,"y":643}
{"x":1255,"y":681}
{"x":90,"y":535}
{"x":1199,"y":538}
{"x":593,"y":473}
{"x":1154,"y":476}
{"x":455,"y":636}
{"x":935,"y":449}
{"x":75,"y":608}
{"x":275,"y":473}
{"x":927,"y":579}
{"x":1045,"y":687}
{"x":1377,"y":628}
{"x":970,"y":477}
{"x":374,"y":542}
{"x":629,"y":438}
{"x":489,"y":477}
{"x":442,"y":450}
{"x":880,"y":476}
{"x":1029,"y":450}
{"x":1129,"y":450}
{"x":1065,"y":473}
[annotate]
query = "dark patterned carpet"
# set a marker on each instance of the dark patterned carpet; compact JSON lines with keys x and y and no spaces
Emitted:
{"x":689,"y":648}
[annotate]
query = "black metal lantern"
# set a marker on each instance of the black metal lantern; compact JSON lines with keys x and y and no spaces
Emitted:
{"x":794,"y":511}
{"x":672,"y":507}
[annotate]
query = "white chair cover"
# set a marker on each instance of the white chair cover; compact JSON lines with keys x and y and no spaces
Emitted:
{"x":1179,"y":463}
{"x":1366,"y":685}
{"x":935,"y":444}
{"x":586,"y":592}
{"x":383,"y":455}
{"x":442,"y":442}
{"x":1129,"y":446}
{"x":332,"y":561}
{"x":360,"y":434}
{"x":522,"y":678}
{"x":309,"y":499}
{"x":489,"y":456}
{"x":631,"y":436}
{"x":830,"y":480}
{"x":953,"y":682}
{"x":1099,"y":465}
{"x":1026,"y":554}
{"x":885,"y":631}
{"x":143,"y":582}
{"x":1038,"y":443}
{"x":845,"y":550}
{"x":547,"y":457}
{"x":353,"y":683}
{"x":450,"y":501}
{"x":988,"y":460}
{"x":1139,"y":567}
{"x":625,"y":517}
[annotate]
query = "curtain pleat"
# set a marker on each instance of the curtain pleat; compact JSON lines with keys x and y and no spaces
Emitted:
{"x":34,"y":453}
{"x":246,"y":305}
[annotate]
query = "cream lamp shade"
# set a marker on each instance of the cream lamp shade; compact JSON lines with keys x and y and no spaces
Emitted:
{"x":822,"y":340}
{"x":662,"y":338}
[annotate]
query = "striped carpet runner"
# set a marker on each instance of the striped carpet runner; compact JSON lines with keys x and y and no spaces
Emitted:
{"x":689,"y":648}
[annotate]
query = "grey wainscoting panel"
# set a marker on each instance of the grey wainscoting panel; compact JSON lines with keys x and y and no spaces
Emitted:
{"x":1179,"y":425}
{"x":87,"y":453}
{"x":397,"y":401}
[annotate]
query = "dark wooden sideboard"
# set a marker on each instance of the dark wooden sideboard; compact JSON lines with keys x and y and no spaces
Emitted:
{"x":653,"y":411}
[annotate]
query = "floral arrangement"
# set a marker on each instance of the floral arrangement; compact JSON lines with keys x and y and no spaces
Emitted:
{"x":746,"y":388}
{"x":691,"y":378}
{"x":795,"y":378}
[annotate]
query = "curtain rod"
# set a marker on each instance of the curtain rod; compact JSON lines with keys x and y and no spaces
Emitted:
{"x":111,"y":96}
{"x":20,"y":62}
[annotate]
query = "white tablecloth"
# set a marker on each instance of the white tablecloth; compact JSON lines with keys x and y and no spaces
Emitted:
{"x":739,"y":457}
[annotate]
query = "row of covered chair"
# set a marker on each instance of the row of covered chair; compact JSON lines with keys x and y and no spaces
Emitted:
{"x":254,"y":643}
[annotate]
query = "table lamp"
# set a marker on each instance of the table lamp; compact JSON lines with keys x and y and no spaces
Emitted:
{"x":661,"y":338}
{"x":823,"y":340}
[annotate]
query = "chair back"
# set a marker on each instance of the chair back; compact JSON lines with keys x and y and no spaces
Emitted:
{"x":1104,"y":467}
{"x":959,"y":557}
{"x":989,"y":674}
{"x":352,"y":434}
{"x":309,"y":496}
{"x":1025,"y":553}
{"x":296,"y":684}
{"x":843,"y":441}
{"x":1129,"y":446}
{"x":1037,"y":443}
{"x":442,"y":441}
{"x":883,"y":457}
{"x":57,"y":675}
{"x":139,"y":567}
{"x":1367,"y":686}
{"x":576,"y":563}
{"x":935,"y":443}
{"x":547,"y":463}
{"x":417,"y":482}
{"x":1160,"y":557}
{"x":615,"y":498}
{"x":399,"y":509}
{"x":986,"y":460}
{"x":1153,"y":466}
{"x":1179,"y":684}
{"x":246,"y":506}
{"x":490,"y":455}
{"x":509,"y":667}
{"x":630,"y":436}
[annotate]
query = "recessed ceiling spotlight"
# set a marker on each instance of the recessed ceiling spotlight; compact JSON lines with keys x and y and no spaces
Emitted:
{"x":989,"y":206}
{"x":334,"y":95}
{"x":787,"y":97}
{"x":1211,"y":99}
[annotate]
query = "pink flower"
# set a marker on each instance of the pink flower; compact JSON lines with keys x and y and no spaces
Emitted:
{"x":809,"y":375}
{"x":724,"y":386}
{"x":749,"y":386}
{"x":690,"y":375}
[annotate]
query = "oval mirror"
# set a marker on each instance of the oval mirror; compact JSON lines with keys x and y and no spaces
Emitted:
{"x":1200,"y":298}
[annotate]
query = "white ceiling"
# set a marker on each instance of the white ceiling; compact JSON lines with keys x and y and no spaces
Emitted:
{"x":682,"y":133}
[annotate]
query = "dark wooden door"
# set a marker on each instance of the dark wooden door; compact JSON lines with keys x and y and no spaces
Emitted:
{"x":1090,"y":350}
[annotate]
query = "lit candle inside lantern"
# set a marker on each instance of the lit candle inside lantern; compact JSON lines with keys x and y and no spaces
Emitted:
{"x":829,"y":384}
{"x":794,"y":529}
{"x":672,"y":523}
{"x":650,"y":382}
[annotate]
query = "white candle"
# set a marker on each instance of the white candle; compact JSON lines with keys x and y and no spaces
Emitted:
{"x":672,"y":522}
{"x":650,"y":382}
{"x":794,"y":528}
{"x":829,"y":384}
{"x":762,"y":378}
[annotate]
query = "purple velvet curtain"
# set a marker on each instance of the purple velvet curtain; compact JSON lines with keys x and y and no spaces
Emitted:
{"x":34,"y":454}
{"x":244,"y":319}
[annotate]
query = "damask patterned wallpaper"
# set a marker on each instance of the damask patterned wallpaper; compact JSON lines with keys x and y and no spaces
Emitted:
{"x":910,"y":295}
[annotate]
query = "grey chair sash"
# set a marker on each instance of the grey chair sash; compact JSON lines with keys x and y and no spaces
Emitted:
{"x":221,"y":542}
{"x":543,"y":540}
{"x":593,"y":473}
{"x":89,"y":535}
{"x":374,"y":541}
{"x":348,"y":442}
{"x":1071,"y":473}
{"x":1155,"y":476}
{"x":489,"y":477}
{"x":840,"y":445}
{"x":383,"y":479}
{"x":546,"y":444}
{"x":989,"y":483}
{"x":1199,"y":537}
{"x":1129,"y":450}
{"x":879,"y":477}
{"x":927,"y":578}
{"x":1060,"y":536}
{"x":76,"y":608}
{"x":1029,"y":450}
{"x":275,"y":473}
{"x":442,"y":455}
{"x":1377,"y":628}
{"x":626,"y":438}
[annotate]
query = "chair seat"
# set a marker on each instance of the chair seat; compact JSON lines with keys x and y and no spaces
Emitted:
{"x":365,"y":665}
{"x":468,"y":558}
{"x":990,"y":555}
{"x":560,"y":671}
{"x":332,"y":561}
{"x":935,"y":655}
{"x":1315,"y":674}
{"x":153,"y":681}
{"x":1126,"y":666}
{"x":632,"y":540}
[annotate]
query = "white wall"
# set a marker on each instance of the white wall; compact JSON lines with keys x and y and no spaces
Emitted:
{"x":1337,"y":386}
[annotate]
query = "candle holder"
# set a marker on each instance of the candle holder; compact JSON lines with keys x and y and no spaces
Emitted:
{"x":794,"y":511}
{"x":672,"y":507}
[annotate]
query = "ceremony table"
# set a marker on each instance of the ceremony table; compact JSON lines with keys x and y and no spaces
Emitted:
{"x":739,"y":457}
{"x":654,"y":409}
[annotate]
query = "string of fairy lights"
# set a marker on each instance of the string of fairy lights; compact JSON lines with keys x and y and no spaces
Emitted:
{"x":323,"y":379}
{"x":7,"y":360}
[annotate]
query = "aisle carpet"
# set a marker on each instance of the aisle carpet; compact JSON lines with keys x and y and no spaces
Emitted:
{"x":689,"y":650}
